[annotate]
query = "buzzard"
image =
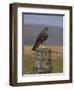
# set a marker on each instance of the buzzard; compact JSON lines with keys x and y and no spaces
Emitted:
{"x":43,"y":35}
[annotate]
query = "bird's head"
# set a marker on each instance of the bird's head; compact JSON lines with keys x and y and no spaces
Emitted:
{"x":46,"y":28}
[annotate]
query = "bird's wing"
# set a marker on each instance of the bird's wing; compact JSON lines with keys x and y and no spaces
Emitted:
{"x":39,"y":36}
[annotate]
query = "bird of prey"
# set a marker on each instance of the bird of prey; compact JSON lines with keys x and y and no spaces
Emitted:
{"x":43,"y":35}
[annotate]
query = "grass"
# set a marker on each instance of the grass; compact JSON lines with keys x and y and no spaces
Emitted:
{"x":29,"y":61}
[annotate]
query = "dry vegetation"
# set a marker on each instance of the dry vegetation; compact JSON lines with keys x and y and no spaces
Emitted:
{"x":57,"y":60}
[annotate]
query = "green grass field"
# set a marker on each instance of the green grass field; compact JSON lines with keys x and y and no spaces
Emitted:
{"x":29,"y":61}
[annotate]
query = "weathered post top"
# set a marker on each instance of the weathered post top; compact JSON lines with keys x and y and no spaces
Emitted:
{"x":43,"y":49}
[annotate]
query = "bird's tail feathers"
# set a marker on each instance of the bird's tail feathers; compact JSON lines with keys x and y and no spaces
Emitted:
{"x":34,"y":49}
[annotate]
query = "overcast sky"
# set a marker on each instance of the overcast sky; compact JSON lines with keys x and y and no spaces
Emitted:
{"x":49,"y":20}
